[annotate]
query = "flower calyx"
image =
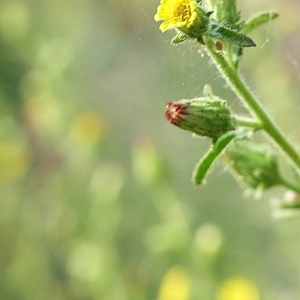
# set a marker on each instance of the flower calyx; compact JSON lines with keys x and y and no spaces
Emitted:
{"x":255,"y":165}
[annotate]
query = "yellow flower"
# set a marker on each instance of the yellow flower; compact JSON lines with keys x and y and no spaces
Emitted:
{"x":15,"y":159}
{"x":88,"y":128}
{"x":176,"y":13}
{"x":237,"y":288}
{"x":176,"y":285}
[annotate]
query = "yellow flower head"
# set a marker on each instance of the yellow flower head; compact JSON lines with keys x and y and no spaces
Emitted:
{"x":176,"y":13}
{"x":237,"y":288}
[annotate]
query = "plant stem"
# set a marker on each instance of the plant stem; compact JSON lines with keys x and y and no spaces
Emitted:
{"x":247,"y":122}
{"x":251,"y":102}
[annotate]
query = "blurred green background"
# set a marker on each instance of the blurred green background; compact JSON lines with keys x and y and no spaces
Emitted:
{"x":96,"y":200}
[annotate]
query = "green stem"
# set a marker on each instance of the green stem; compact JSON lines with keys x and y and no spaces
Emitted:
{"x":247,"y":122}
{"x":251,"y":102}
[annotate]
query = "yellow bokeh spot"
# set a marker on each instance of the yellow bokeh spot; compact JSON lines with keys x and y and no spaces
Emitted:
{"x":14,"y":161}
{"x":238,"y":289}
{"x":88,"y":128}
{"x":175,"y":285}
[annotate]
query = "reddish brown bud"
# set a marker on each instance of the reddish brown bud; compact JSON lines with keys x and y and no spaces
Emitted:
{"x":175,"y":112}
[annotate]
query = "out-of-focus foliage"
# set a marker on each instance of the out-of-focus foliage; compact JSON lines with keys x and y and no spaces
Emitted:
{"x":96,"y":200}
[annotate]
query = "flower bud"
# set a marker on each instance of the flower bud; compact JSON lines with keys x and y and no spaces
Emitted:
{"x":254,"y":164}
{"x":210,"y":118}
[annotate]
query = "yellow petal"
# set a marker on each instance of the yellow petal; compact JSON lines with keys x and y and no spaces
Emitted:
{"x":167,"y":25}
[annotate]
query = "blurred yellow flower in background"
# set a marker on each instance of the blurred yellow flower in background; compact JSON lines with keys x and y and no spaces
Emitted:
{"x":237,"y":288}
{"x":14,"y":160}
{"x":88,"y":128}
{"x":176,"y":13}
{"x":175,"y":285}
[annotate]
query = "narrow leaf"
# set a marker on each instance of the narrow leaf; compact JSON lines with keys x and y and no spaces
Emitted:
{"x":259,"y":19}
{"x":232,"y":36}
{"x":216,"y":150}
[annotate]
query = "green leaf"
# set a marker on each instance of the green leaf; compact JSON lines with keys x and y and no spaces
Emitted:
{"x":179,"y":38}
{"x":209,"y":13}
{"x":258,"y":19}
{"x":216,"y":150}
{"x":227,"y":34}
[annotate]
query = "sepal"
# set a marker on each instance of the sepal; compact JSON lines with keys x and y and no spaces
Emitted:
{"x":179,"y":38}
